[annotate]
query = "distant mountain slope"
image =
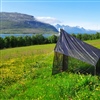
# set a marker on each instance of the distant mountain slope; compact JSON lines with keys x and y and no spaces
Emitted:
{"x":23,"y":23}
{"x":74,"y":29}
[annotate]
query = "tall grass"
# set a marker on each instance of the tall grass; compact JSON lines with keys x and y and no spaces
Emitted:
{"x":26,"y":74}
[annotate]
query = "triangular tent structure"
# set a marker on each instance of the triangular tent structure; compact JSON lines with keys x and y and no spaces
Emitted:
{"x":68,"y":45}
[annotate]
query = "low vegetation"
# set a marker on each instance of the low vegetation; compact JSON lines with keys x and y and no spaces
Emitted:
{"x":26,"y":74}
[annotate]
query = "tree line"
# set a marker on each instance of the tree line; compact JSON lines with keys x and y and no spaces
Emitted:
{"x":12,"y":41}
{"x":87,"y":36}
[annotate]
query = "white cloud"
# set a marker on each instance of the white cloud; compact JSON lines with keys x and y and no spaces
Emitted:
{"x":54,"y":21}
{"x":49,"y":20}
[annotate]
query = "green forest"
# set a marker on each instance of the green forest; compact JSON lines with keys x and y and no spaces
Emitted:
{"x":12,"y":41}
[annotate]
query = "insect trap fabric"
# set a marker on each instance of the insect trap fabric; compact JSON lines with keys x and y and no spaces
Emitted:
{"x":68,"y":45}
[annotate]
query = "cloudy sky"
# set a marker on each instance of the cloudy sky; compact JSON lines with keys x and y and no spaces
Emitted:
{"x":83,"y":13}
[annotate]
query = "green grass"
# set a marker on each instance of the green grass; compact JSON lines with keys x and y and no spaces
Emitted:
{"x":95,"y":43}
{"x":26,"y":74}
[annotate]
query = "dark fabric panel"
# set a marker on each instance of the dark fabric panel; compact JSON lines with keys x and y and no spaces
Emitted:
{"x":73,"y":47}
{"x":60,"y":63}
{"x":65,"y":63}
{"x":98,"y":67}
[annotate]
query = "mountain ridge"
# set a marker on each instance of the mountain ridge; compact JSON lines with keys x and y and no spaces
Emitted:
{"x":75,"y":29}
{"x":13,"y":22}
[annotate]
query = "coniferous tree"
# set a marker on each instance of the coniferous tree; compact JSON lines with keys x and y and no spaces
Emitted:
{"x":1,"y":43}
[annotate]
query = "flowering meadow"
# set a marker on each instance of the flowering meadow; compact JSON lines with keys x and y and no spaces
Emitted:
{"x":26,"y":74}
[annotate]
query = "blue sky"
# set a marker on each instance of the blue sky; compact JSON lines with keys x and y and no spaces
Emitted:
{"x":83,"y":13}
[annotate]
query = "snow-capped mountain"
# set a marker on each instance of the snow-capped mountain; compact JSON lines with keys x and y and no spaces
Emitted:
{"x":75,"y":29}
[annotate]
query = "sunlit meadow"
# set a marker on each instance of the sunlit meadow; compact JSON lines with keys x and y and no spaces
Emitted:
{"x":26,"y":74}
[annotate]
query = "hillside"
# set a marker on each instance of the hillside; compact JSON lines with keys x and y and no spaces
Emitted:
{"x":23,"y":23}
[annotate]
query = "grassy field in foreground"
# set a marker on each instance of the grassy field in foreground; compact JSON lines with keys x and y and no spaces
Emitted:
{"x":26,"y":74}
{"x":95,"y":43}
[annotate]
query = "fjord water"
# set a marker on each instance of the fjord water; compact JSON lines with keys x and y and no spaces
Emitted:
{"x":17,"y":35}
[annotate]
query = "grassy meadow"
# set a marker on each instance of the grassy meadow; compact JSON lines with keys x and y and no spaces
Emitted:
{"x":26,"y":74}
